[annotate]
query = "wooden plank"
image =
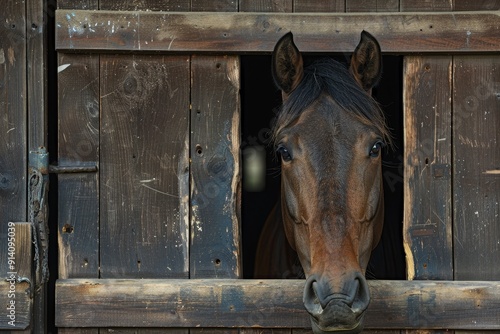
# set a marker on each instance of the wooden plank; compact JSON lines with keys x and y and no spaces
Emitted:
{"x":372,"y":6}
{"x":16,"y":271}
{"x":233,"y":303}
{"x":13,"y":120}
{"x":258,"y":32}
{"x":277,"y":6}
{"x":36,"y":72}
{"x":476,"y":159}
{"x":78,"y":144}
{"x":215,"y":169}
{"x":426,"y":5}
{"x":78,"y":209}
{"x":326,"y":6}
{"x":144,"y":166}
{"x":427,"y":173}
{"x":460,"y":5}
{"x":153,"y":5}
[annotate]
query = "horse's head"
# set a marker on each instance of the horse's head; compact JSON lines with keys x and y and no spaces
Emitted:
{"x":329,"y":135}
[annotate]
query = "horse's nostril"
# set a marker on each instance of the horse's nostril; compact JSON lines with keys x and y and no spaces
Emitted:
{"x":311,"y":300}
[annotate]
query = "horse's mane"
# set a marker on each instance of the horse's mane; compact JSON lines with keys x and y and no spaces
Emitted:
{"x":331,"y":77}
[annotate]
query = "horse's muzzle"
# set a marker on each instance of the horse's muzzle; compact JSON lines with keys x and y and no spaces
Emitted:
{"x":336,"y":311}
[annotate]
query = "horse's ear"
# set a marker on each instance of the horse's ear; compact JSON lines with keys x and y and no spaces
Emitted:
{"x":287,"y":65}
{"x":366,"y":62}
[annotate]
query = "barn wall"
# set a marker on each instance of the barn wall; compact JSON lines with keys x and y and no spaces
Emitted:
{"x":165,"y":211}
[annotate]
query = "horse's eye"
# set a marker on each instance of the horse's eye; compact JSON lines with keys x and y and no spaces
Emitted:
{"x":376,"y":149}
{"x":284,"y":153}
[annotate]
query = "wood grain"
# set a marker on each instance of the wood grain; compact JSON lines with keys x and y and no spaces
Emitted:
{"x":258,"y":32}
{"x":427,"y":174}
{"x":144,"y":166}
{"x":269,"y":303}
{"x":215,"y":169}
{"x":476,"y":159}
{"x":78,"y":209}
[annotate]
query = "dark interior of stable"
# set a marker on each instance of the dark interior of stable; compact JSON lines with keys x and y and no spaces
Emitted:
{"x":260,"y":99}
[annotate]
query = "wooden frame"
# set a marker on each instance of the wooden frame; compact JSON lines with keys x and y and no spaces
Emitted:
{"x":268,"y":303}
{"x":98,"y":31}
{"x":468,"y":305}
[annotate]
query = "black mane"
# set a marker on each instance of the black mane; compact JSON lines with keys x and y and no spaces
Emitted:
{"x":333,"y":78}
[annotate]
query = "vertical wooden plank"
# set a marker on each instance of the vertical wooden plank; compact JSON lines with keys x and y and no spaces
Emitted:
{"x":425,"y":5}
{"x":427,"y":179}
{"x":144,"y":166}
{"x":78,"y":144}
{"x":428,"y":249}
{"x":215,"y":178}
{"x":372,"y":5}
{"x":470,"y":5}
{"x":13,"y":119}
{"x":311,"y":6}
{"x":37,"y":117}
{"x":78,"y":237}
{"x":281,"y":6}
{"x":476,"y":158}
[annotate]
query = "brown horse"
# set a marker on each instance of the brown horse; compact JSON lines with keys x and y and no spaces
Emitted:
{"x":329,"y":134}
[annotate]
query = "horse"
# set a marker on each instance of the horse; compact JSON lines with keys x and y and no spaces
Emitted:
{"x":329,"y":134}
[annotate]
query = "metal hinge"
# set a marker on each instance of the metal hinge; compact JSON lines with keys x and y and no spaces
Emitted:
{"x":39,"y":170}
{"x":38,"y":187}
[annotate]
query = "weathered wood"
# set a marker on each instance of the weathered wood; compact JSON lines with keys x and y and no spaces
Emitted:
{"x":153,"y":5}
{"x":427,"y":173}
{"x":215,"y":169}
{"x":277,"y":6}
{"x":269,"y":303}
{"x":16,"y":272}
{"x":13,"y":119}
{"x":476,"y":173}
{"x":425,"y":5}
{"x":459,"y":5}
{"x":144,"y":166}
{"x":325,"y":6}
{"x":258,"y":32}
{"x":372,"y":6}
{"x":78,"y":209}
{"x":78,"y":205}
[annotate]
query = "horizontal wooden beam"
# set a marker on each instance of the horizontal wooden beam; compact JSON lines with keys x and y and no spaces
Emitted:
{"x":268,"y":303}
{"x":98,"y":31}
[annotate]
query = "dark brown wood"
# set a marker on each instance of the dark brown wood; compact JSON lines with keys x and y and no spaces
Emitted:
{"x":36,"y":72}
{"x":144,"y":166}
{"x":427,"y":173}
{"x":277,"y":6}
{"x":17,"y":275}
{"x":326,"y":6}
{"x":269,"y":303}
{"x":258,"y":32}
{"x":153,"y":5}
{"x":476,"y":174}
{"x":214,"y":6}
{"x":459,"y":5}
{"x":372,"y":5}
{"x":78,"y":140}
{"x":78,"y":231}
{"x":13,"y":124}
{"x":215,"y":169}
{"x":425,"y":5}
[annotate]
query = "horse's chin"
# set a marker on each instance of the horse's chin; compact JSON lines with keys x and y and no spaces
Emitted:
{"x":342,"y":329}
{"x":337,"y":318}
